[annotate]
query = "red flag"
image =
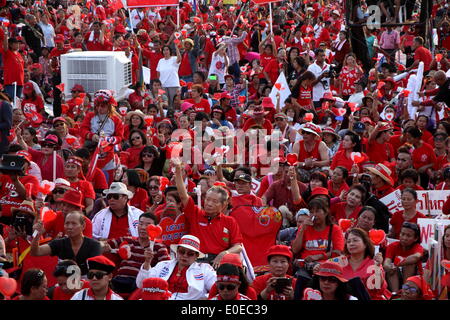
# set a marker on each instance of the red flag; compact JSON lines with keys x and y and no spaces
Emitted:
{"x":151,"y":3}
{"x":92,"y":165}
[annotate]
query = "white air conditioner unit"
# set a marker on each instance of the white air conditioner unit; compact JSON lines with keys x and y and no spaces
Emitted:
{"x":96,"y":70}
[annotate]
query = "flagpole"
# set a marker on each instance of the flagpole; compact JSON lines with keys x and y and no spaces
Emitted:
{"x":270,"y":14}
{"x":178,"y":16}
{"x":240,"y":13}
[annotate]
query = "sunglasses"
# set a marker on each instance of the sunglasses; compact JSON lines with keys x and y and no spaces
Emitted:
{"x":153,"y":187}
{"x":148,"y":155}
{"x":135,"y":138}
{"x":60,"y":124}
{"x":75,"y":91}
{"x":113,"y":196}
{"x":48,"y":145}
{"x":329,"y":279}
{"x":186,"y":252}
{"x":410,"y":225}
{"x":98,"y":275}
{"x":58,"y":191}
{"x":409,"y":288}
{"x":229,"y":287}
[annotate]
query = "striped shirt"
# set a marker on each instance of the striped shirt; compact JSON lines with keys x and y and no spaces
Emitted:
{"x":232,"y":43}
{"x":130,"y":267}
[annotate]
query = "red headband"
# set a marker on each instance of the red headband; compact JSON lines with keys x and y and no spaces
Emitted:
{"x":227,"y":278}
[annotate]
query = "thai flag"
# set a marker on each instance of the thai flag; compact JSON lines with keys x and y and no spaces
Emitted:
{"x":198,"y":276}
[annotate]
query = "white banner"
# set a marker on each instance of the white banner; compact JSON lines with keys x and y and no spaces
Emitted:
{"x":427,"y":229}
{"x":430,"y":202}
{"x":282,"y":87}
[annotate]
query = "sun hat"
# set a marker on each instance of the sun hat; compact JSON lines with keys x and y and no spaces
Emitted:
{"x":383,"y":172}
{"x":189,"y":242}
{"x":73,"y":197}
{"x":330,"y":269}
{"x":311,"y":127}
{"x":118,"y":188}
{"x":232,"y":258}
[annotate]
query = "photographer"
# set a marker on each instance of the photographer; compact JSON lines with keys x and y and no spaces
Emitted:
{"x":12,"y":183}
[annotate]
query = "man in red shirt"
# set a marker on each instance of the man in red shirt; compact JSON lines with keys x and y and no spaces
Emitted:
{"x":219,"y":234}
{"x":200,"y":104}
{"x":13,"y":65}
{"x":95,"y":39}
{"x":153,"y":56}
{"x":421,"y":54}
{"x":272,"y":69}
{"x":380,"y":149}
{"x":59,"y":49}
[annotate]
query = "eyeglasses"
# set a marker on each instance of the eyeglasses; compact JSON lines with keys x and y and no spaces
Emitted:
{"x":135,"y":138}
{"x":229,"y":287}
{"x":329,"y":279}
{"x":58,"y":191}
{"x":189,"y":253}
{"x":58,"y":124}
{"x":153,"y":187}
{"x":48,"y":145}
{"x":148,"y":155}
{"x":98,"y":275}
{"x":409,"y":288}
{"x":113,"y":196}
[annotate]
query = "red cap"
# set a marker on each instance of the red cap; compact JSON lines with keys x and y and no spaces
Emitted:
{"x":73,"y":197}
{"x":24,"y":154}
{"x":101,"y":263}
{"x":155,"y":289}
{"x":331,"y":269}
{"x":279,"y":250}
{"x":120,"y":29}
{"x":232,"y":258}
{"x":78,"y":87}
{"x":28,"y":87}
{"x":427,"y":294}
{"x":225,"y":95}
{"x":319,"y":191}
{"x":59,"y":38}
{"x":267,"y":102}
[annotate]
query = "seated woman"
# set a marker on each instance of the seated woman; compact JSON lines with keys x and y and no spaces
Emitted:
{"x":152,"y":160}
{"x":352,"y":205}
{"x":316,"y":180}
{"x":416,"y":288}
{"x":403,"y":258}
{"x":137,"y":141}
{"x":318,"y":239}
{"x":181,"y":272}
{"x":366,"y":218}
{"x":329,"y":281}
{"x":337,"y":182}
{"x":228,"y":283}
{"x":363,"y":263}
{"x":277,"y":284}
{"x":140,"y":197}
{"x":409,"y":212}
{"x":33,"y":286}
{"x":244,"y":287}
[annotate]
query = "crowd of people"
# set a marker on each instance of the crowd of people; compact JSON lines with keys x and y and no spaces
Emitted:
{"x":252,"y":166}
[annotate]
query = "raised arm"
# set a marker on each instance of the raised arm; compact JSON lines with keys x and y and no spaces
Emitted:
{"x":176,"y":162}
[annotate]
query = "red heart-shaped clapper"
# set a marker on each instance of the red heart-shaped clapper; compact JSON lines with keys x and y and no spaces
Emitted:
{"x":197,"y":20}
{"x":163,"y":183}
{"x":5,"y":23}
{"x":389,"y":116}
{"x":184,"y":32}
{"x":161,"y":92}
{"x":182,"y":83}
{"x":71,"y":140}
{"x":149,"y":121}
{"x":406,"y":92}
{"x":446,"y":264}
{"x":123,"y":111}
{"x":341,"y":111}
{"x":311,"y":294}
{"x":308,"y":117}
{"x":398,"y":260}
{"x":124,"y":252}
{"x":46,"y":187}
{"x":307,"y":39}
{"x":47,"y":215}
{"x":345,"y":224}
{"x":176,"y":41}
{"x":8,"y":286}
{"x":154,"y":231}
{"x":217,"y":96}
{"x":242,"y":99}
{"x":173,"y":230}
{"x":231,"y":9}
{"x":60,"y":87}
{"x":278,"y":85}
{"x":189,"y":85}
{"x":243,"y":69}
{"x":356,"y":157}
{"x":377,"y":236}
{"x":439,"y":57}
{"x":352,"y":106}
{"x":177,"y":34}
{"x":292,"y":159}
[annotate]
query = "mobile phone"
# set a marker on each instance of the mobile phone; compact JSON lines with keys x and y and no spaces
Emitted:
{"x":282,"y":283}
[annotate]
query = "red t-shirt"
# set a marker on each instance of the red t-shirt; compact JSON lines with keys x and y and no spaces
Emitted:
{"x":140,"y":199}
{"x":178,"y":283}
{"x":304,"y":98}
{"x":154,"y":58}
{"x":424,"y":55}
{"x":185,"y":66}
{"x":86,"y":189}
{"x":202,"y":106}
{"x":380,"y":152}
{"x":337,"y":192}
{"x":9,"y":198}
{"x":216,"y":235}
{"x":265,"y":59}
{"x":316,"y":242}
{"x":423,"y":155}
{"x":341,"y":159}
{"x":273,"y":69}
{"x":397,"y":221}
{"x":32,"y":105}
{"x":13,"y":67}
{"x":337,"y":211}
{"x":119,"y":227}
{"x":395,"y":250}
{"x":59,"y":294}
{"x":260,"y":283}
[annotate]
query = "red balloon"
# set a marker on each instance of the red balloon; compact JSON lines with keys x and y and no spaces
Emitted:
{"x":71,"y":140}
{"x":292,"y":159}
{"x":154,"y":231}
{"x":345,"y":224}
{"x":8,"y":286}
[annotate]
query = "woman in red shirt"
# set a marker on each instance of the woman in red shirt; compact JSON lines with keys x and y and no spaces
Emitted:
{"x":406,"y":253}
{"x":350,"y":73}
{"x":266,"y":286}
{"x":33,"y":286}
{"x":135,"y":120}
{"x":72,"y":172}
{"x":140,"y":197}
{"x":409,"y":212}
{"x":366,"y":218}
{"x":337,"y":182}
{"x":137,"y":141}
{"x":350,"y":143}
{"x":302,"y":91}
{"x":422,"y":123}
{"x":352,"y":205}
{"x":32,"y":103}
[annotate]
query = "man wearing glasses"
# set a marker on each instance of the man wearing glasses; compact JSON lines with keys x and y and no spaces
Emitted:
{"x":119,"y":219}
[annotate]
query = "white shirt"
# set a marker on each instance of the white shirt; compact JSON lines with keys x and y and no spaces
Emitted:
{"x":319,"y":89}
{"x":79,"y":296}
{"x":168,"y":72}
{"x":218,"y":67}
{"x":136,"y":17}
{"x":49,"y":34}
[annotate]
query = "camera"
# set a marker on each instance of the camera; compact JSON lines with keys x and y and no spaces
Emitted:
{"x":281,"y":284}
{"x":23,"y":222}
{"x":332,"y":71}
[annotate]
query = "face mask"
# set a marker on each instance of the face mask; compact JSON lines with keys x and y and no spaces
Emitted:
{"x":290,"y":119}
